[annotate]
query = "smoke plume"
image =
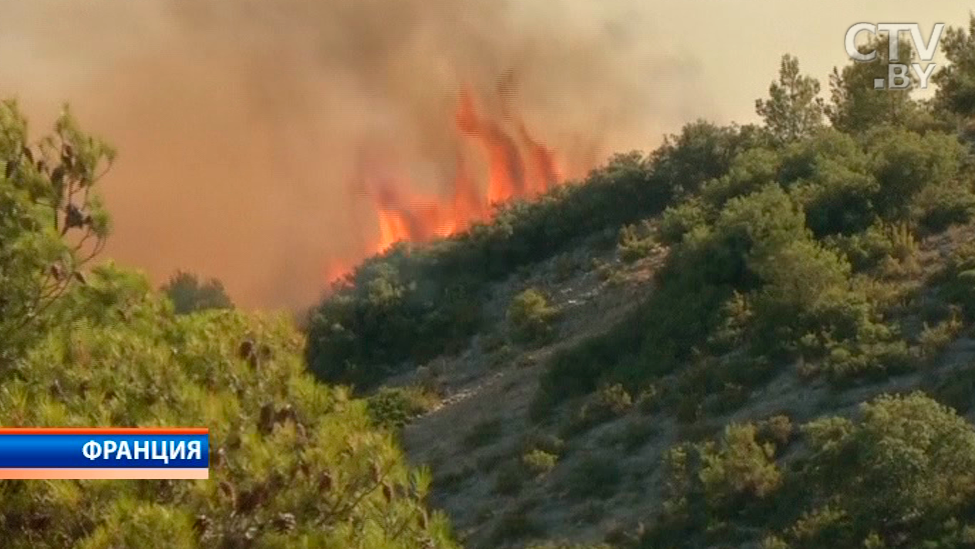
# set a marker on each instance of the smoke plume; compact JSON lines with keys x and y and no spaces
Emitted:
{"x":241,"y":124}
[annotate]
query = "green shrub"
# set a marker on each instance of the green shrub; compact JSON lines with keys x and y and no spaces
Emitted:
{"x":636,"y":242}
{"x":738,"y":466}
{"x":826,"y":523}
{"x":957,"y":279}
{"x":188,"y":293}
{"x":906,"y":162}
{"x":395,"y":407}
{"x":925,"y":446}
{"x":678,"y":221}
{"x":530,"y":317}
{"x":934,"y":339}
{"x":940,"y":205}
{"x":609,"y":402}
{"x":538,"y":462}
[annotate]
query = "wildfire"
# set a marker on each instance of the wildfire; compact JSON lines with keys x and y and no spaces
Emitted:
{"x":518,"y":166}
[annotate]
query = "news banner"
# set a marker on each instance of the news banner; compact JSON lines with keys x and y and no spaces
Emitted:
{"x":104,"y":453}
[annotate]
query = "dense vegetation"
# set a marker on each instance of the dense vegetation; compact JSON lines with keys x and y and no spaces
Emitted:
{"x":293,"y":462}
{"x":805,"y":249}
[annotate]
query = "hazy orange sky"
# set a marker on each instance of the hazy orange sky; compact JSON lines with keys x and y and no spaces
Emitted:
{"x":238,"y":122}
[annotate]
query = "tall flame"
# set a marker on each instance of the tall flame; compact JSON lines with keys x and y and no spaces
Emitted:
{"x":518,"y":166}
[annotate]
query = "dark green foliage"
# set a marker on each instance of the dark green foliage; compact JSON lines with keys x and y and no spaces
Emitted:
{"x":905,"y":163}
{"x":958,"y":279}
{"x":956,"y":81}
{"x":857,"y":106}
{"x":830,"y":176}
{"x":711,"y":481}
{"x":879,"y":243}
{"x":905,"y":467}
{"x":189,"y":294}
{"x":793,"y":109}
{"x":901,"y":471}
{"x":941,"y":205}
{"x":386,"y":308}
{"x":763,"y":257}
{"x":777,"y":430}
{"x":579,"y":370}
{"x":702,"y":151}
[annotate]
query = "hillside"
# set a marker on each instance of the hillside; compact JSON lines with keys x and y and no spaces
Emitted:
{"x":475,"y":438}
{"x":755,"y":336}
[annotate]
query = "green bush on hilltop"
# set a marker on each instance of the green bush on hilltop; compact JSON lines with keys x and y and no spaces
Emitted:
{"x":189,"y":294}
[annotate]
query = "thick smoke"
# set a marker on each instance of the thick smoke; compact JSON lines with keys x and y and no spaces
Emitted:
{"x":239,"y":123}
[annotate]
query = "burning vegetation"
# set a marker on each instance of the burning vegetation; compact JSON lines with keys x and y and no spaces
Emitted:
{"x":517,"y":166}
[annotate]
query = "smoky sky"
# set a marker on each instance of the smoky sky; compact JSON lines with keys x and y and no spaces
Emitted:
{"x":239,"y":123}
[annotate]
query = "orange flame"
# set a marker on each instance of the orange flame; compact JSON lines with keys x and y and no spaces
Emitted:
{"x":518,"y":167}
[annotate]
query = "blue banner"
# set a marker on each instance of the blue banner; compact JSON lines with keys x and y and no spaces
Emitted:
{"x":104,"y":451}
